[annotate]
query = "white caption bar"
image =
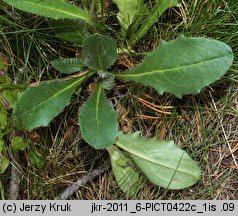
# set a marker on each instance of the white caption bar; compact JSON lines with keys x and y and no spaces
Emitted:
{"x":114,"y":207}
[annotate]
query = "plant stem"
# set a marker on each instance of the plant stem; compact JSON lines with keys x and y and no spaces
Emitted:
{"x":14,"y":183}
{"x":72,"y":188}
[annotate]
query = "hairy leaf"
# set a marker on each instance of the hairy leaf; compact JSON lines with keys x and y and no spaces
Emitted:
{"x":98,"y":120}
{"x":108,"y":81}
{"x":99,"y":52}
{"x":40,"y":104}
{"x":71,"y":30}
{"x":156,"y":12}
{"x":162,"y":162}
{"x":183,"y":66}
{"x":127,"y":178}
{"x":68,"y":65}
{"x":55,"y":9}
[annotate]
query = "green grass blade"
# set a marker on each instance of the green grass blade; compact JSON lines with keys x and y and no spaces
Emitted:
{"x":127,"y":11}
{"x":153,"y":17}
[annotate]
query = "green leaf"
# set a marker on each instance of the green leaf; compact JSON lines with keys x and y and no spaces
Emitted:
{"x":3,"y":66}
{"x":108,"y":80}
{"x":38,"y":105}
{"x":5,"y":83}
{"x":183,"y":66}
{"x":74,"y":31}
{"x":162,"y":162}
{"x":4,"y":163}
{"x":3,"y":116}
{"x":98,"y":120}
{"x":55,"y":9}
{"x":127,"y":178}
{"x":160,"y":7}
{"x":36,"y":159}
{"x":128,"y":9}
{"x":68,"y":65}
{"x":3,"y":78}
{"x":99,"y":52}
{"x":12,"y":96}
{"x":1,"y":144}
{"x":18,"y":143}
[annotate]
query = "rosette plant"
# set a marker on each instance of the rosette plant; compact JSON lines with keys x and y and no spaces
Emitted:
{"x":180,"y":67}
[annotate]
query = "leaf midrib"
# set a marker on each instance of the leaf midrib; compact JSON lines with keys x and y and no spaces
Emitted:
{"x":97,"y":107}
{"x":99,"y":58}
{"x":58,"y":10}
{"x":131,"y":74}
{"x":55,"y":95}
{"x":151,"y":161}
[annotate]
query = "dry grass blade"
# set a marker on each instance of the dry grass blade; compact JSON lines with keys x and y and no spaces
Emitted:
{"x":126,"y":62}
{"x":235,"y":149}
{"x":148,"y":117}
{"x":223,"y":130}
{"x":154,"y":106}
{"x":234,"y":167}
